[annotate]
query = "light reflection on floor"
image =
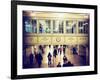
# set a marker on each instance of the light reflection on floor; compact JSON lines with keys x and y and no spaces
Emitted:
{"x":74,"y":59}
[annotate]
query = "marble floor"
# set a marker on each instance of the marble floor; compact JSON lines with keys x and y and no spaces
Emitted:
{"x":75,"y":59}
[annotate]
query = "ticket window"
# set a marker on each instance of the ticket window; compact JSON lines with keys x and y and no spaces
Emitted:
{"x":71,"y":27}
{"x":44,"y":26}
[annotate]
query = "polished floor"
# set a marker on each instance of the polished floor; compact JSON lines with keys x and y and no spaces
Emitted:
{"x":75,"y":59}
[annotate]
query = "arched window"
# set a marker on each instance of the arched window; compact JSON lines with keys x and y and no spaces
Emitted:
{"x":44,"y":26}
{"x":58,"y":26}
{"x":83,"y":26}
{"x":70,"y":26}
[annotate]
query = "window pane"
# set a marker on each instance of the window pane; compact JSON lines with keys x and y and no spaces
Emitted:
{"x":58,"y":26}
{"x":70,"y":26}
{"x":28,"y":26}
{"x":44,"y":26}
{"x":83,"y":26}
{"x":34,"y":26}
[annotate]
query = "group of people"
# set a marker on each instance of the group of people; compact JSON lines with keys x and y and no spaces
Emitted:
{"x":59,"y":50}
{"x":66,"y":63}
{"x":35,"y":58}
{"x":32,"y":61}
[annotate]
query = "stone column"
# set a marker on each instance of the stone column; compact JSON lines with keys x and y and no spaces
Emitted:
{"x":64,"y":27}
{"x":37,"y":26}
{"x":51,"y":26}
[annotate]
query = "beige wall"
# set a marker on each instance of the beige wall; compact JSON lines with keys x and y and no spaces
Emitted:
{"x":57,"y":39}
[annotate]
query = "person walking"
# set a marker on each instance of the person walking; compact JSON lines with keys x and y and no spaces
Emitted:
{"x":55,"y":52}
{"x":64,"y":50}
{"x":74,"y":50}
{"x":39,"y":59}
{"x":49,"y":58}
{"x":64,"y":58}
{"x":31,"y":61}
